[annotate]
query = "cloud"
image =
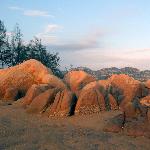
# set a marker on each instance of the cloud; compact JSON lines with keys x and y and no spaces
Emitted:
{"x":140,"y":50}
{"x":48,"y":35}
{"x":91,"y":40}
{"x":32,"y":13}
{"x":38,"y":13}
{"x":52,"y":28}
{"x":103,"y":58}
{"x":15,"y":8}
{"x":47,"y":39}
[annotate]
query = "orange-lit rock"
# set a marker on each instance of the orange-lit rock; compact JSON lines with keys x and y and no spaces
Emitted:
{"x":64,"y":104}
{"x":129,"y":87}
{"x":53,"y":81}
{"x":113,"y":102}
{"x":104,"y":83}
{"x":76,"y":80}
{"x":145,"y":101}
{"x":147,"y":84}
{"x":34,"y":91}
{"x":11,"y":94}
{"x":90,"y":99}
{"x":42,"y":101}
{"x":22,"y":76}
{"x":130,"y":111}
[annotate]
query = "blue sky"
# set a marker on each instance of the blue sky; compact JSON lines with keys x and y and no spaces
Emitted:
{"x":92,"y":33}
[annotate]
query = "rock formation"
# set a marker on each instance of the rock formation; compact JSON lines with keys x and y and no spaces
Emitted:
{"x":76,"y":80}
{"x":21,"y":77}
{"x":90,"y":99}
{"x":78,"y":93}
{"x":127,"y":87}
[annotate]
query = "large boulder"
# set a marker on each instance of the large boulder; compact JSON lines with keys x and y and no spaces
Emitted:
{"x":64,"y":104}
{"x":130,"y":111}
{"x":34,"y":91}
{"x":90,"y":99}
{"x":104,"y":83}
{"x":112,"y":102}
{"x":145,"y":102}
{"x":76,"y":80}
{"x":21,"y":77}
{"x":42,"y":101}
{"x":53,"y":81}
{"x":11,"y":94}
{"x":147,"y":84}
{"x":104,"y":86}
{"x":136,"y":119}
{"x":128,"y":86}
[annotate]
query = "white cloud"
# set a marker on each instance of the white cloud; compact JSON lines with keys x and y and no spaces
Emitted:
{"x":91,"y":40}
{"x":32,"y":13}
{"x":15,"y":8}
{"x":46,"y":36}
{"x":52,"y":28}
{"x":38,"y":13}
{"x":47,"y":39}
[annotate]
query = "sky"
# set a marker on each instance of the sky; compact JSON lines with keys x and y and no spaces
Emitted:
{"x":91,"y":33}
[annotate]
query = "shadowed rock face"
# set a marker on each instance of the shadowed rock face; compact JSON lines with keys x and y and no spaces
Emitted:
{"x":62,"y":104}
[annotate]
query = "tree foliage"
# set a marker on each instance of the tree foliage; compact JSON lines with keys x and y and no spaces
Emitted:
{"x":2,"y":43}
{"x":13,"y":50}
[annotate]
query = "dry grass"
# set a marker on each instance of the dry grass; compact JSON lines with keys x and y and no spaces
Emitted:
{"x":21,"y":131}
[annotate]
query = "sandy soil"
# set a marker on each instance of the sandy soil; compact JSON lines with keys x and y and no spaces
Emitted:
{"x":21,"y":131}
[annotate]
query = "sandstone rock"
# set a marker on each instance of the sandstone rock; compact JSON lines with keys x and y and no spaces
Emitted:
{"x":145,"y":101}
{"x":104,"y":83}
{"x":147,"y":84}
{"x":53,"y":81}
{"x":104,"y":87}
{"x":42,"y":101}
{"x":22,"y":76}
{"x":34,"y":91}
{"x":129,"y":87}
{"x":90,"y":96}
{"x":130,"y":111}
{"x":11,"y":94}
{"x":113,"y":102}
{"x":64,"y":104}
{"x":76,"y":80}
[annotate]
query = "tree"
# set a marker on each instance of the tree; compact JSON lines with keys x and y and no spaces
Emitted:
{"x":17,"y":47}
{"x":2,"y":43}
{"x":13,"y":51}
{"x":36,"y":50}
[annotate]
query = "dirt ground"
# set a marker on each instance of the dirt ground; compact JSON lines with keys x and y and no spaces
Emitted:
{"x":22,"y":131}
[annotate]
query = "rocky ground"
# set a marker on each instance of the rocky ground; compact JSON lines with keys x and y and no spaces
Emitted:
{"x":22,"y":131}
